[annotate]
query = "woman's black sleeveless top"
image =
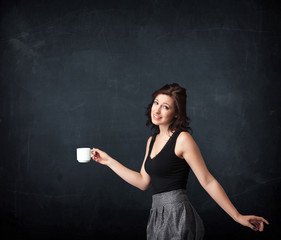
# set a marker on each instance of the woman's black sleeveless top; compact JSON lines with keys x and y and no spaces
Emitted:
{"x":167,"y":171}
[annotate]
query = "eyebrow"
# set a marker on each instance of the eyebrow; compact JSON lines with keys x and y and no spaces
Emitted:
{"x":164,"y":102}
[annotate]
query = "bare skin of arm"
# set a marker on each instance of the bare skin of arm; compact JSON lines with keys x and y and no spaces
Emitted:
{"x":188,"y":149}
{"x":140,"y":179}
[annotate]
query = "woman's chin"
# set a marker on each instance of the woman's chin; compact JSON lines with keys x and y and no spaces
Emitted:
{"x":155,"y":122}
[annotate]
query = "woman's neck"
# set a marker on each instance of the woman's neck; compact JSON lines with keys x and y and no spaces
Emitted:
{"x":164,"y":131}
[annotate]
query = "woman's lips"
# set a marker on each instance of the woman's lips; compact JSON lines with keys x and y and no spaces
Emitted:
{"x":156,"y":117}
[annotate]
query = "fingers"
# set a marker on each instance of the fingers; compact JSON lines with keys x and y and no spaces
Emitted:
{"x":261,"y":227}
{"x":95,"y":153}
{"x":258,"y":226}
{"x":259,"y":219}
{"x":253,"y":227}
{"x":257,"y":223}
{"x":264,"y":220}
{"x":94,"y":150}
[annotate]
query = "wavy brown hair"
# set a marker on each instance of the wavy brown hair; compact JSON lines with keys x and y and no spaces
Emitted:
{"x":178,"y":94}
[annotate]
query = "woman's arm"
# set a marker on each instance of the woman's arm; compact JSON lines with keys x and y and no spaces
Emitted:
{"x":140,"y":179}
{"x":189,"y":150}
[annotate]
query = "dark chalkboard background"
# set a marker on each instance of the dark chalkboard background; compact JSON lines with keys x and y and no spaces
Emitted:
{"x":81,"y":73}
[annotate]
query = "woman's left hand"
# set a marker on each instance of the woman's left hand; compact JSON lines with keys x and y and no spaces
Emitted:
{"x":252,"y":221}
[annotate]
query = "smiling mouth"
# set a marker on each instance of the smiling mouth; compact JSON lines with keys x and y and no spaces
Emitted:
{"x":156,"y":117}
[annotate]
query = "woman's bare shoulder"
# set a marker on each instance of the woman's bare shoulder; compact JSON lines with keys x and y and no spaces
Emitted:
{"x":185,"y":139}
{"x":149,"y":140}
{"x":184,"y":135}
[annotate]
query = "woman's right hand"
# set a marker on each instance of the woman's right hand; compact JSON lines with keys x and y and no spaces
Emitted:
{"x":100,"y":156}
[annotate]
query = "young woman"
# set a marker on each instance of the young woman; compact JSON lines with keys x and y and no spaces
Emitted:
{"x":170,"y":154}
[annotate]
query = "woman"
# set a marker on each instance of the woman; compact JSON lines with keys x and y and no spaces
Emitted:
{"x":170,"y":153}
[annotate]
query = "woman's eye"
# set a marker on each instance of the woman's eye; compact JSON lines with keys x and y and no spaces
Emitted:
{"x":166,"y":107}
{"x":155,"y":102}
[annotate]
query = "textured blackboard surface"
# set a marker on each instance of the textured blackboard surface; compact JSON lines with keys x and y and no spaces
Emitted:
{"x":81,"y":73}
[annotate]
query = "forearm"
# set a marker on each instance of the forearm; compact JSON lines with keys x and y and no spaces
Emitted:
{"x":216,"y":191}
{"x":132,"y":177}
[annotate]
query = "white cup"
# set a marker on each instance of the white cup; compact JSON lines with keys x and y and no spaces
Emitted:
{"x":84,"y":154}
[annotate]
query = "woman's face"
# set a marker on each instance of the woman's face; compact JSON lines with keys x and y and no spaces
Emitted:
{"x":162,"y":110}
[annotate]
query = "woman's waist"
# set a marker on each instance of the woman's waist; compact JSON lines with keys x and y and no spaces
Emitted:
{"x":174,"y":196}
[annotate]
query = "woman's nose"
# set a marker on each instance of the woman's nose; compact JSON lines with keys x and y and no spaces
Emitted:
{"x":158,"y":109}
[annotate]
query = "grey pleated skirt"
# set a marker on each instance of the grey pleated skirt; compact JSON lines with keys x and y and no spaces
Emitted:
{"x":173,"y":217}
